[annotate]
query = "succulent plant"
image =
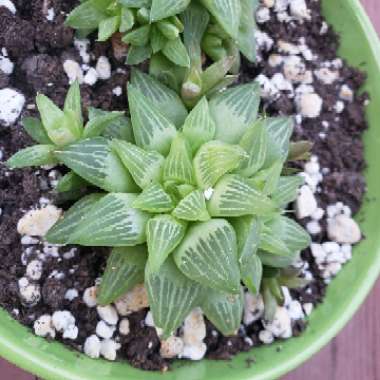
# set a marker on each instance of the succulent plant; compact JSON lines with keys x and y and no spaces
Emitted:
{"x":192,"y":203}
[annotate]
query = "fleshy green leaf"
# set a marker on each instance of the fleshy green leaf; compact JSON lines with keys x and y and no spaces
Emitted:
{"x":208,"y":255}
{"x":94,"y":160}
{"x":224,"y":310}
{"x":138,"y":36}
{"x":73,"y":104}
{"x":172,"y":296}
{"x":127,"y":20}
{"x":178,"y":165}
{"x":35,"y":130}
{"x":252,"y":274}
{"x":138,"y":54}
{"x":199,"y":128}
{"x":165,"y":8}
{"x":108,"y":27}
{"x":300,"y":151}
{"x":164,"y":98}
{"x":152,"y":130}
{"x":65,"y":227}
{"x":71,"y":182}
{"x":192,"y":208}
{"x":176,"y":52}
{"x":168,"y":29}
{"x":157,"y":40}
{"x":214,"y":159}
{"x":97,"y":125}
{"x":36,"y":155}
{"x":135,"y":3}
{"x":145,"y":167}
{"x":227,"y":13}
{"x":236,"y":196}
{"x":125,"y":269}
{"x":163,"y":234}
{"x":234,"y":110}
{"x":254,"y":141}
{"x":112,"y":222}
{"x":154,"y":199}
{"x":287,"y":189}
{"x":272,"y":177}
{"x":246,"y":37}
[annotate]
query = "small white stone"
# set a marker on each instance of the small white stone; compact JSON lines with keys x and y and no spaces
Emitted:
{"x":103,"y":330}
{"x":299,"y":10}
{"x":306,"y":203}
{"x":117,"y":91}
{"x":346,"y":93}
{"x":11,"y":105}
{"x":92,"y":347}
{"x":171,"y":347}
{"x":50,"y":14}
{"x":288,"y":48}
{"x":9,"y":5}
{"x":286,"y":295}
{"x":28,"y":240}
{"x":318,"y":214}
{"x":308,"y":308}
{"x":194,"y":352}
{"x":71,"y":294}
{"x":71,"y":332}
{"x":91,"y":77}
{"x":62,"y":320}
{"x":6,"y":65}
{"x":281,"y":5}
{"x":208,"y":193}
{"x":30,"y":294}
{"x":23,"y":282}
{"x":103,"y":67}
{"x":309,"y":105}
{"x":134,"y":300}
{"x":343,"y":229}
{"x":34,"y":270}
{"x":89,"y":296}
{"x":268,"y":3}
{"x":295,"y":310}
{"x":38,"y":222}
{"x":313,"y":227}
{"x":253,"y":308}
{"x":108,"y":314}
{"x":82,"y":46}
{"x":262,"y":15}
{"x":268,"y":89}
{"x":73,"y":71}
{"x":331,"y":270}
{"x":264,"y":42}
{"x":294,"y":69}
{"x":194,"y":328}
{"x":275,"y":60}
{"x":266,"y":337}
{"x":326,"y":76}
{"x":331,"y":247}
{"x":108,"y":349}
{"x":339,"y":106}
{"x":281,"y":326}
{"x":278,"y":80}
{"x":43,"y":326}
{"x":124,"y":328}
{"x":324,"y":28}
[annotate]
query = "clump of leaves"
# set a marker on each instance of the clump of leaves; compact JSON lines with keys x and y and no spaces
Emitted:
{"x":193,"y":204}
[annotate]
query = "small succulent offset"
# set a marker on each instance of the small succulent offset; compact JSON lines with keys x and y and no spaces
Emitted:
{"x":192,"y":203}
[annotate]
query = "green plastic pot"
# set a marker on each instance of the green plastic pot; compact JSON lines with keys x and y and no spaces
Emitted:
{"x":52,"y":361}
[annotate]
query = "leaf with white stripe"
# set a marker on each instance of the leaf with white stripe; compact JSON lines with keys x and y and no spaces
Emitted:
{"x":145,"y":166}
{"x":36,"y":130}
{"x":60,"y":233}
{"x":234,"y":110}
{"x":178,"y":165}
{"x":254,"y":142}
{"x":71,"y":182}
{"x":236,"y":196}
{"x":172,"y":296}
{"x":163,"y":234}
{"x":125,"y":269}
{"x":176,"y":52}
{"x":227,"y":13}
{"x":152,"y":130}
{"x":214,"y":159}
{"x":252,"y":274}
{"x":94,"y":160}
{"x":164,"y":98}
{"x":73,"y":102}
{"x":96,"y":126}
{"x":246,"y":38}
{"x":112,"y":222}
{"x":224,"y":310}
{"x":287,"y":189}
{"x":208,"y":255}
{"x":192,"y":208}
{"x":35,"y":155}
{"x":154,"y":199}
{"x":165,"y":8}
{"x":199,"y":127}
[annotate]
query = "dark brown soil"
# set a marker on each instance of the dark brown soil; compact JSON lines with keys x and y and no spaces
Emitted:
{"x":38,"y":48}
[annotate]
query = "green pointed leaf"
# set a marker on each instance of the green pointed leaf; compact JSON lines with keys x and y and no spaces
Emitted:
{"x":145,"y":167}
{"x":246,"y":37}
{"x":73,"y":104}
{"x":71,"y":182}
{"x":154,"y":199}
{"x":138,"y":36}
{"x":208,"y":255}
{"x":224,"y":310}
{"x":168,"y":29}
{"x":184,"y":189}
{"x":94,"y":160}
{"x":135,"y":3}
{"x":60,"y":233}
{"x":97,"y":125}
{"x":112,"y":222}
{"x":36,"y":155}
{"x":287,"y":189}
{"x":163,"y":234}
{"x":172,"y":296}
{"x":165,"y":99}
{"x":165,"y":8}
{"x":234,"y":110}
{"x":138,"y":54}
{"x":125,"y":269}
{"x":152,"y":130}
{"x":252,"y":274}
{"x":127,"y":20}
{"x":214,"y":159}
{"x":157,"y":40}
{"x":236,"y":196}
{"x":35,"y":130}
{"x":227,"y":13}
{"x":89,"y":14}
{"x":254,"y":142}
{"x":108,"y":27}
{"x":176,"y":52}
{"x":199,"y":128}
{"x":272,"y":175}
{"x":178,"y":165}
{"x":192,"y":208}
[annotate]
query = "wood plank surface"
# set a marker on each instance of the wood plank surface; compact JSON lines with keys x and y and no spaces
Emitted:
{"x":353,"y":355}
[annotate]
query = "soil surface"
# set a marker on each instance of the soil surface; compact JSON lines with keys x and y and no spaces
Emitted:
{"x":38,"y":48}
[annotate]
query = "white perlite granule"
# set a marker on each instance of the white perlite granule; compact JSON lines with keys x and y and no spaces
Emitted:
{"x":6,"y":65}
{"x":89,"y":296}
{"x":108,"y":314}
{"x":92,"y":347}
{"x":73,"y":71}
{"x":43,"y":326}
{"x":50,"y":14}
{"x":103,"y":67}
{"x":11,"y":105}
{"x":9,"y":5}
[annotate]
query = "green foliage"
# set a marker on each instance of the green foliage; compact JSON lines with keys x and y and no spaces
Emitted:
{"x":194,"y":203}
